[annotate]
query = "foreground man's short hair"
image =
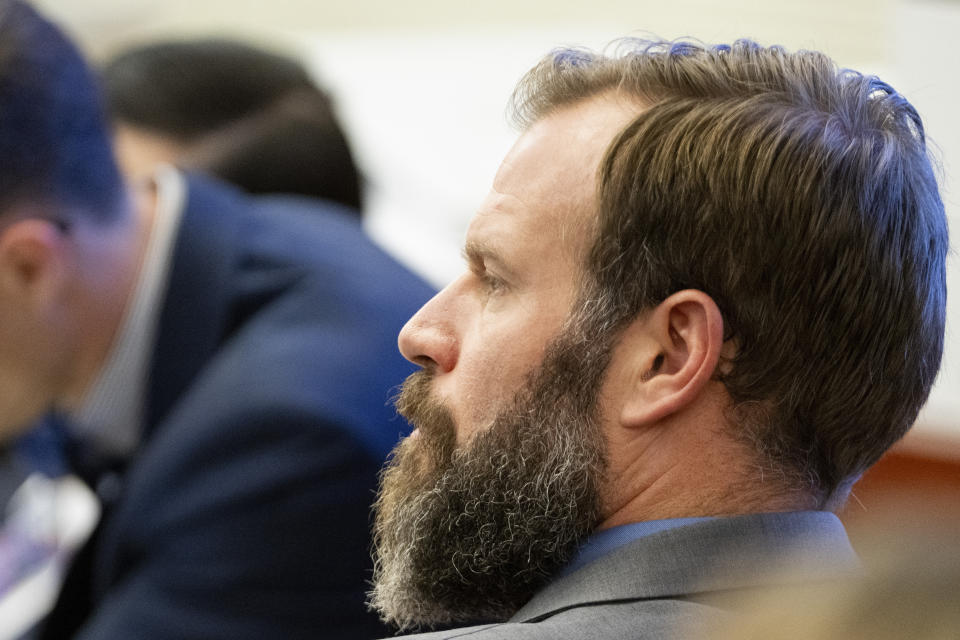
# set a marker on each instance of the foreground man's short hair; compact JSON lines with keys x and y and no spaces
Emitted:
{"x":54,"y":145}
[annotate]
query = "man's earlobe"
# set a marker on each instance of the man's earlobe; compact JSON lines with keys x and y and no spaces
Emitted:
{"x":684,"y":338}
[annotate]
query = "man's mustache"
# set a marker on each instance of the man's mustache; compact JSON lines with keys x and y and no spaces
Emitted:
{"x":423,"y":411}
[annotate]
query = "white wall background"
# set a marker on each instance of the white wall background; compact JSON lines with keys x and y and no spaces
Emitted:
{"x":421,"y":86}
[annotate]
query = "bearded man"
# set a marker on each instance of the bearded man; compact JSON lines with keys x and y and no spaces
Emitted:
{"x":706,"y":292}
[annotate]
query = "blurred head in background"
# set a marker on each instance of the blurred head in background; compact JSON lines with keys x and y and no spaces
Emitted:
{"x":249,"y":116}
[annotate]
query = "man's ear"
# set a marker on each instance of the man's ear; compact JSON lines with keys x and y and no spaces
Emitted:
{"x":676,"y":352}
{"x":32,"y":263}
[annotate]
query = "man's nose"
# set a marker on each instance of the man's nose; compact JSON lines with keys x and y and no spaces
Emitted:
{"x":429,"y":338}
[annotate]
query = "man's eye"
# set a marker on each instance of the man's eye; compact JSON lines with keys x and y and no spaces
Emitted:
{"x":491,"y":283}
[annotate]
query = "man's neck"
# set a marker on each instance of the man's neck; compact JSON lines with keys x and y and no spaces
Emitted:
{"x":686,"y":501}
{"x":111,"y":256}
{"x":683,"y":474}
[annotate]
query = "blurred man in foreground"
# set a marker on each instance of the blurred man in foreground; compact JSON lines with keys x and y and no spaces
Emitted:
{"x":221,"y":366}
{"x":705,"y":293}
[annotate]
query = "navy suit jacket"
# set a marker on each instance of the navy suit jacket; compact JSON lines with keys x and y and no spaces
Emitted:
{"x":245,"y":513}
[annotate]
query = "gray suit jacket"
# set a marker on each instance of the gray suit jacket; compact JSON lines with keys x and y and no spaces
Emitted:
{"x":675,"y":580}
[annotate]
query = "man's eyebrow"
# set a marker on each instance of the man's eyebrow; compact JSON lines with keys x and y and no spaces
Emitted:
{"x":479,"y":254}
{"x":475,"y":252}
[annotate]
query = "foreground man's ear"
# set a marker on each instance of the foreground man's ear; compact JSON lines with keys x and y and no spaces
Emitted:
{"x":32,"y":265}
{"x":674,"y":351}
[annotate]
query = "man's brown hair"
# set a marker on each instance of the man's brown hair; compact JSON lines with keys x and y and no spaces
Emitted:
{"x":802,"y":199}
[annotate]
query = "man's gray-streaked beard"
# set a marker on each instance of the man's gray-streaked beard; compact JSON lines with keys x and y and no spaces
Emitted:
{"x":466,"y":534}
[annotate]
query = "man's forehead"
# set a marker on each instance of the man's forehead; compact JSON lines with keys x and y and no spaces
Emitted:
{"x":496,"y":210}
{"x":551,"y":170}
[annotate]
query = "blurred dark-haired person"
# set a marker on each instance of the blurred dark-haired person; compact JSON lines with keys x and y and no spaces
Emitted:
{"x":249,"y":116}
{"x":705,"y":293}
{"x":220,"y":365}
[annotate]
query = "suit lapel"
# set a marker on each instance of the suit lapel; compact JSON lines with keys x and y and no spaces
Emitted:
{"x":705,"y":558}
{"x":193,"y":317}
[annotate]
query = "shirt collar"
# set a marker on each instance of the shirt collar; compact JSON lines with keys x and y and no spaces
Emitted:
{"x":111,"y":416}
{"x":603,"y":542}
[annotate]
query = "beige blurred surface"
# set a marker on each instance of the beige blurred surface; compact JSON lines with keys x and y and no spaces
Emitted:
{"x":909,"y":591}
